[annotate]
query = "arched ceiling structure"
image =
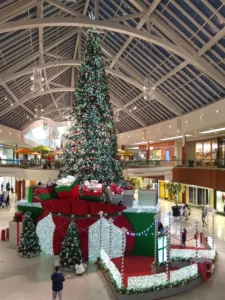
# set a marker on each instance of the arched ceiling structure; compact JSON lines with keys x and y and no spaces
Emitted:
{"x":179,"y":44}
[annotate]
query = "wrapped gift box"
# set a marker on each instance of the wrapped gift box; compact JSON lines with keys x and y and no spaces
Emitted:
{"x":92,"y":191}
{"x":68,"y":192}
{"x":15,"y":230}
{"x":128,"y":200}
{"x":128,"y":190}
{"x":47,"y":193}
{"x":116,"y":198}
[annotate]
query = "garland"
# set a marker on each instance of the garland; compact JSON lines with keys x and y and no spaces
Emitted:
{"x":124,"y":290}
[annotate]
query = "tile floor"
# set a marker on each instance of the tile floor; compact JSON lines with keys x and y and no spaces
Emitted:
{"x":24,"y":279}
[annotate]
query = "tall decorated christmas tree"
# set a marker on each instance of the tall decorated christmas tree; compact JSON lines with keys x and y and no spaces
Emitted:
{"x":91,"y":142}
{"x":70,"y":251}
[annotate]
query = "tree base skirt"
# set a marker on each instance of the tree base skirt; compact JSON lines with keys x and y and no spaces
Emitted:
{"x":67,"y":269}
{"x":31,"y":256}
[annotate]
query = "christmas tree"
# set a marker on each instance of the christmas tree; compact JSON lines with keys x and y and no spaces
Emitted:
{"x":29,"y":241}
{"x":91,"y":142}
{"x":70,"y":248}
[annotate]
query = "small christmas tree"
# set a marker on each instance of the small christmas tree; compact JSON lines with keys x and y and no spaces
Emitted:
{"x":91,"y":143}
{"x":29,"y":241}
{"x":70,"y":248}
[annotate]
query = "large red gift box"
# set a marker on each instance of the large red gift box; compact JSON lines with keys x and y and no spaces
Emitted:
{"x":46,"y":193}
{"x":95,"y":195}
{"x":68,"y":192}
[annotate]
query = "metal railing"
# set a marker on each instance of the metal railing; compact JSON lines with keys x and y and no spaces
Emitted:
{"x":41,"y":163}
{"x":32,"y":163}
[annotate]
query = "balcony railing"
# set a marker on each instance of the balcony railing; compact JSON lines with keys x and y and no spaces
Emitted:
{"x":32,"y":163}
{"x":39,"y":164}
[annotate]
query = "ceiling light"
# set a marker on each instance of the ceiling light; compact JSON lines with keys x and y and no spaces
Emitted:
{"x":137,"y":134}
{"x":42,"y":109}
{"x":153,"y":88}
{"x":27,"y":117}
{"x":144,"y":88}
{"x":10,"y":133}
{"x":217,"y":111}
{"x":201,"y":117}
{"x":11,"y":104}
{"x":145,"y":97}
{"x":32,"y":88}
{"x":135,"y":108}
{"x":42,"y":79}
{"x":32,"y":78}
{"x":213,"y":130}
{"x":173,"y":138}
{"x":170,"y":126}
{"x":6,"y":98}
{"x":186,"y":122}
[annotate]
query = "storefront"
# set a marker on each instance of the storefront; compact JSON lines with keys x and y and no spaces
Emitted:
{"x":199,"y":196}
{"x":219,"y":201}
{"x":6,"y":152}
{"x":206,"y":152}
{"x":165,"y":194}
{"x":159,"y":151}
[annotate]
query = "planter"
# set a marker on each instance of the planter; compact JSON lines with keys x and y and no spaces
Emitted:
{"x":191,"y":163}
{"x":176,"y":211}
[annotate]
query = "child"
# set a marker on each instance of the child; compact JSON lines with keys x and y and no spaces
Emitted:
{"x":79,"y":267}
{"x":184,"y":237}
{"x":57,"y":260}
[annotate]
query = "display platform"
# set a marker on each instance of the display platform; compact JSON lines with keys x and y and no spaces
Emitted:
{"x":153,"y":295}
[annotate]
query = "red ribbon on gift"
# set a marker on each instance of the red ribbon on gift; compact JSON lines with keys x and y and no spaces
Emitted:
{"x":128,"y":187}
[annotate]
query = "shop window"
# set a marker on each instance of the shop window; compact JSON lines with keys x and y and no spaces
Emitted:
{"x":155,"y":154}
{"x":220,"y":201}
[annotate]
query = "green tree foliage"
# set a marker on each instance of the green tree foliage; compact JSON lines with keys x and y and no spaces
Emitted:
{"x":29,"y":241}
{"x":70,"y":248}
{"x":91,"y":142}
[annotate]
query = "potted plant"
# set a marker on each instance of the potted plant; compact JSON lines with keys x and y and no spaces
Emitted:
{"x":191,"y":163}
{"x":173,"y":189}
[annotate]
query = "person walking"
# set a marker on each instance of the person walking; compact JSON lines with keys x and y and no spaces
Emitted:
{"x":57,"y":283}
{"x":203,"y":217}
{"x":184,"y":237}
{"x":49,"y":161}
{"x":7,"y":201}
{"x":186,"y":212}
{"x":1,"y":200}
{"x":2,"y":186}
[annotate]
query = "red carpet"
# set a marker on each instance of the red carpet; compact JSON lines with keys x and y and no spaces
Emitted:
{"x":134,"y":266}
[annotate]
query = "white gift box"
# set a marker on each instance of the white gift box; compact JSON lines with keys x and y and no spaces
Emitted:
{"x":128,"y":200}
{"x":116,"y":198}
{"x":15,"y":230}
{"x":128,"y":192}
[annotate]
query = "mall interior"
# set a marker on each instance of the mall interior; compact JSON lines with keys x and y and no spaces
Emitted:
{"x":164,"y":69}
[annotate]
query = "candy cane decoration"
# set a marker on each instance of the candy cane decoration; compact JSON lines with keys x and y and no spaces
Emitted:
{"x":181,"y":222}
{"x":207,"y":219}
{"x":123,"y":253}
{"x":167,"y":229}
{"x":213,"y":229}
{"x":156,"y":217}
{"x":196,"y":241}
{"x":100,"y":231}
{"x":110,"y":237}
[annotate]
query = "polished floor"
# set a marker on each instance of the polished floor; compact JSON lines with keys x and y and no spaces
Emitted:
{"x":24,"y":279}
